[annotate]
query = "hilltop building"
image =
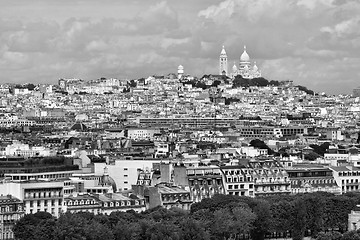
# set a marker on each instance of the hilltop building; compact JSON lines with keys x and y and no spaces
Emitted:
{"x":223,"y":68}
{"x":180,"y":71}
{"x":245,"y":68}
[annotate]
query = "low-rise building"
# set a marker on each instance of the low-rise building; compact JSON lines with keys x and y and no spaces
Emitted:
{"x":269,"y":177}
{"x":347,"y":178}
{"x":103,"y":203}
{"x":237,"y":180}
{"x":307,"y":179}
{"x":37,"y":195}
{"x":204,"y":182}
{"x":169,"y":196}
{"x":11,"y":210}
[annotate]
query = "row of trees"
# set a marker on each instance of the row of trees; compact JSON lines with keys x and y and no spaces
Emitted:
{"x":239,"y":81}
{"x":221,"y":217}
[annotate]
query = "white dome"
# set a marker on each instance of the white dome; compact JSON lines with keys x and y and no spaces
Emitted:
{"x":244,"y":56}
{"x":180,"y":67}
{"x":255,"y":68}
{"x":234,"y":68}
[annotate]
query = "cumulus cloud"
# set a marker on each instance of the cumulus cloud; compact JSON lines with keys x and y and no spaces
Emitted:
{"x":303,"y":40}
{"x":314,"y":43}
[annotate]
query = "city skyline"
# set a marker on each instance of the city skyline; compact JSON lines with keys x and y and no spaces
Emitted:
{"x":313,"y":43}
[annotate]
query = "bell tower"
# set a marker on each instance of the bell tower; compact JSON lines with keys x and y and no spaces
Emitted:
{"x":223,"y":68}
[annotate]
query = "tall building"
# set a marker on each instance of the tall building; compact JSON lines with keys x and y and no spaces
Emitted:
{"x":223,"y":69}
{"x":245,"y":68}
{"x":180,"y":71}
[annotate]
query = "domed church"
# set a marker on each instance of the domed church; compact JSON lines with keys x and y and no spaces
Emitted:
{"x":245,"y":68}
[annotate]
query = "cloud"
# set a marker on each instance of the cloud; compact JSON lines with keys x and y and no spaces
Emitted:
{"x":314,"y":43}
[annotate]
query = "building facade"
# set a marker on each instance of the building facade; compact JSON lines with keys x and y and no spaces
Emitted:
{"x":37,"y":195}
{"x":223,"y":65}
{"x":11,"y":210}
{"x":204,"y":182}
{"x":244,"y":68}
{"x":312,"y":179}
{"x":238,"y":180}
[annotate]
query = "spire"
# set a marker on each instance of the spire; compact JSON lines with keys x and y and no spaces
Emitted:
{"x":234,"y":68}
{"x":223,"y":52}
{"x":244,"y":48}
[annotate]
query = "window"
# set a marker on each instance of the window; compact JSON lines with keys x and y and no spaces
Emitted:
{"x":125,"y":169}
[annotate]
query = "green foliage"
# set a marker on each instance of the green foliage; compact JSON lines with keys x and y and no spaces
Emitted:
{"x":321,"y":150}
{"x":35,"y":226}
{"x":311,"y":156}
{"x":320,"y":215}
{"x":351,"y":235}
{"x":239,"y":81}
{"x":304,"y":89}
{"x":257,"y":143}
{"x":329,"y":236}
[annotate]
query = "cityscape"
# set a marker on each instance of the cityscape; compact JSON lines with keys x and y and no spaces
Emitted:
{"x":220,"y":149}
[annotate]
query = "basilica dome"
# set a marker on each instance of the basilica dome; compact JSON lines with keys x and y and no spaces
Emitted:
{"x":244,"y":56}
{"x":234,"y":68}
{"x":255,"y":68}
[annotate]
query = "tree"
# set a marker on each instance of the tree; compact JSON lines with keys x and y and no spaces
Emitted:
{"x":281,"y":211}
{"x":152,"y":230}
{"x":192,"y":230}
{"x":222,"y":224}
{"x":351,"y":235}
{"x":264,"y":221}
{"x":95,"y":230}
{"x":126,"y":230}
{"x":298,"y":220}
{"x":70,"y":226}
{"x":132,"y":83}
{"x":329,"y":236}
{"x":315,"y":212}
{"x":257,"y":143}
{"x":243,"y":220}
{"x":35,"y":226}
{"x":311,"y":156}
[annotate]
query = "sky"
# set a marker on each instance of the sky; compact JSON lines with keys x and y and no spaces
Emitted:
{"x":315,"y":43}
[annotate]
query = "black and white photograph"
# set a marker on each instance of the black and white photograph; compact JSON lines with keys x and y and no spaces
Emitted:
{"x":180,"y":120}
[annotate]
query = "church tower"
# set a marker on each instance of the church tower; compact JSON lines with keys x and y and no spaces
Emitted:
{"x":223,"y":68}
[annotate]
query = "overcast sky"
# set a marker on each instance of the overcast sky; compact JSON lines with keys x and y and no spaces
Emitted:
{"x":315,"y":43}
